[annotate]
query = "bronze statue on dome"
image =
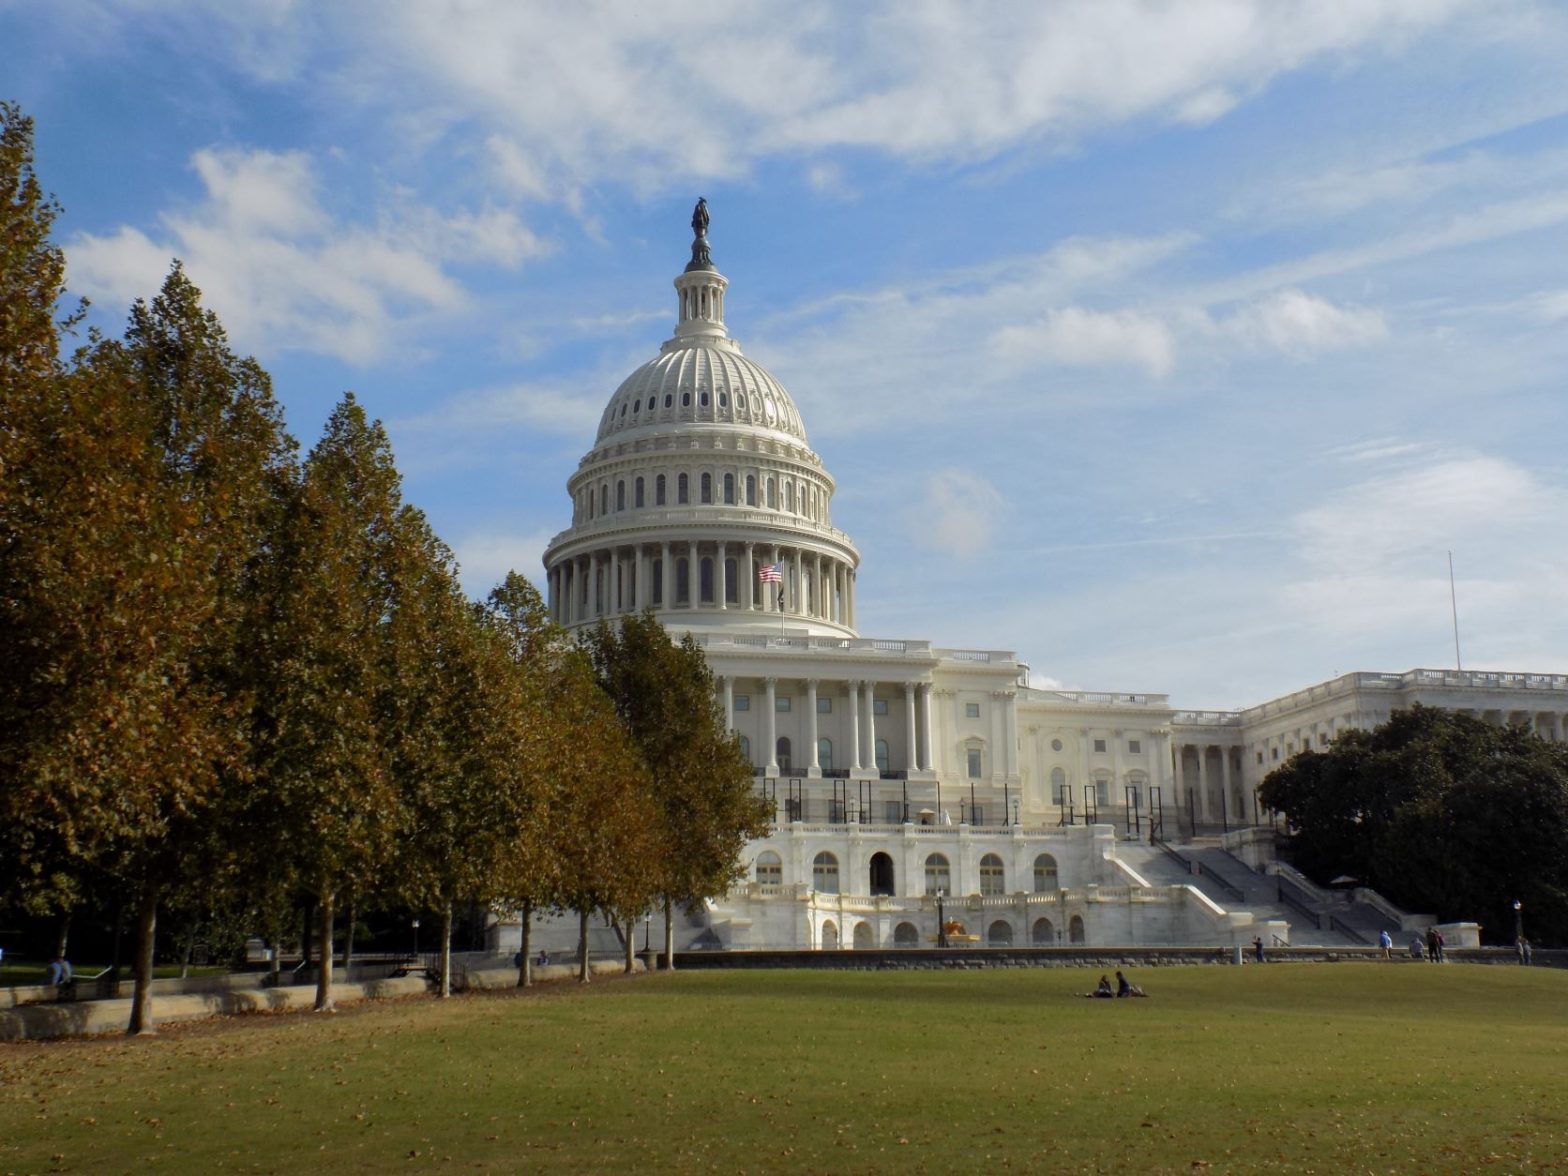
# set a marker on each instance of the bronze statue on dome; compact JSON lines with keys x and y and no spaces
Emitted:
{"x":701,"y":259}
{"x":699,"y":217}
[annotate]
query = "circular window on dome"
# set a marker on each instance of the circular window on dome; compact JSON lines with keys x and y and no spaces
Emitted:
{"x":704,"y":400}
{"x":1056,"y":745}
{"x":669,"y":399}
{"x":685,"y":399}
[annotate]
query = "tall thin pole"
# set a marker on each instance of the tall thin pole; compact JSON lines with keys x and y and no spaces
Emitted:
{"x":1453,"y":604}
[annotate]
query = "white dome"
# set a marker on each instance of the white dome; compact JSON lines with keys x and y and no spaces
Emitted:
{"x":701,"y":382}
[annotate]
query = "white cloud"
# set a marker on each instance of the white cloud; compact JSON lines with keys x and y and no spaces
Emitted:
{"x":485,"y":557}
{"x":959,"y":513}
{"x":1092,"y":339}
{"x":1301,"y":324}
{"x":283,"y":272}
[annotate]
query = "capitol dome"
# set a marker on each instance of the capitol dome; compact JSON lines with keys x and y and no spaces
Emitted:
{"x":701,"y":497}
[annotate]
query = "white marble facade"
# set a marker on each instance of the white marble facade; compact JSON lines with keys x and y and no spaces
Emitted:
{"x":897,"y":769}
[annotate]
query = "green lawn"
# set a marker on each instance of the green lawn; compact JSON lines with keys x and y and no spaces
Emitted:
{"x":1340,"y":1067}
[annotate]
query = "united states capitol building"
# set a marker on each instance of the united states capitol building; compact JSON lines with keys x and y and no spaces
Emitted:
{"x":907,"y":779}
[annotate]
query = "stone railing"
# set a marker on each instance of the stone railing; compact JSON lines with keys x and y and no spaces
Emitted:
{"x":858,"y":646}
{"x":630,"y":526}
{"x":1098,"y":698}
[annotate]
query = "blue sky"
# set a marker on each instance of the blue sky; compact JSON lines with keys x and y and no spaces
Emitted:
{"x":1170,"y":345}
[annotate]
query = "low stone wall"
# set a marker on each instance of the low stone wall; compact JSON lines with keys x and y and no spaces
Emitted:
{"x":489,"y":979}
{"x":1102,"y":958}
{"x":76,"y":1018}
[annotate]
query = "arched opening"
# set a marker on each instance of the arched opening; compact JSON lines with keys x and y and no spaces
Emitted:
{"x":881,"y":874}
{"x":620,"y":494}
{"x":604,"y":499}
{"x":881,"y":755}
{"x":1042,"y":934}
{"x":1044,"y":873}
{"x":865,"y":936}
{"x":781,"y":751}
{"x":729,"y":489}
{"x":773,"y":494}
{"x":751,"y":490}
{"x":1075,"y":929}
{"x":707,"y":580}
{"x":770,"y":869}
{"x":999,"y":934}
{"x":682,"y":490}
{"x":824,"y":873}
{"x":825,"y":753}
{"x":938,"y":875}
{"x":1058,"y":787}
{"x":993,"y":877}
{"x":658,"y":490}
{"x":829,"y":935}
{"x":637,"y":496}
{"x":707,"y":488}
{"x":906,"y":935}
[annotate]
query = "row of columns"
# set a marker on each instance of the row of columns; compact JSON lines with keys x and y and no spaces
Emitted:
{"x":620,"y":580}
{"x":862,"y":724}
{"x":1227,"y":774}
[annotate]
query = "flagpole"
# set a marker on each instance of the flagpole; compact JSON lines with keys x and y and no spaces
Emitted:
{"x":1453,"y":604}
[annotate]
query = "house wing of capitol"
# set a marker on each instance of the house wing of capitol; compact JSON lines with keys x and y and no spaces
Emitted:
{"x":914,"y":786}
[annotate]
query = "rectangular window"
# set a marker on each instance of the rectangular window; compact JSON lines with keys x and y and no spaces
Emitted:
{"x":1134,"y":747}
{"x":879,"y":706}
{"x":743,"y":702}
{"x":1099,"y":745}
{"x":893,"y":811}
{"x":781,"y":703}
{"x":1260,"y":757}
{"x":1274,"y":753}
{"x":973,"y":757}
{"x":824,"y":706}
{"x":971,"y":710}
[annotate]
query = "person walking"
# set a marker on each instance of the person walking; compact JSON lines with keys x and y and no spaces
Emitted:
{"x":1386,"y":942}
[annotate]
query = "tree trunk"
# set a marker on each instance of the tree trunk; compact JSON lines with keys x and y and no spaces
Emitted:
{"x":62,"y":936}
{"x":324,"y":976}
{"x":583,"y":971}
{"x":669,"y":935}
{"x":525,"y":966}
{"x":351,"y":915}
{"x":631,"y":943}
{"x":444,"y":983}
{"x":141,"y":997}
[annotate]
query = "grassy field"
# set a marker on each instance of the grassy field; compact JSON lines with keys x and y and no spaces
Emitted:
{"x":1328,"y":1068}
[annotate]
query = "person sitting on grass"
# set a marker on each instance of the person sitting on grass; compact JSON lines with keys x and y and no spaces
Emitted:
{"x":1124,"y":987}
{"x":1102,"y":989}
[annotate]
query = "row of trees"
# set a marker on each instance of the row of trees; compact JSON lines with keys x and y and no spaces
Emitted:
{"x":1441,"y":812}
{"x":237,"y":679}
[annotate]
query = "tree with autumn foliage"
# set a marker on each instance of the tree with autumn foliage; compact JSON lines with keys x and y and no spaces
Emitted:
{"x":702,"y":783}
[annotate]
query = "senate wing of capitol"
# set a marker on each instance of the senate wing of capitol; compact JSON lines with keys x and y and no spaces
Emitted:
{"x":923,"y":794}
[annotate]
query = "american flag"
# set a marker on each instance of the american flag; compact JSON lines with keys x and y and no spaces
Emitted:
{"x":771,"y":574}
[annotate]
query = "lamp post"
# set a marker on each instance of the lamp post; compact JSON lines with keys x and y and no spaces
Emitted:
{"x":416,"y":937}
{"x":941,"y":922}
{"x":1518,"y":921}
{"x":647,"y":929}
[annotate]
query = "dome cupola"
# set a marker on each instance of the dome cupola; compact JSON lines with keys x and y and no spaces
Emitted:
{"x":701,"y":488}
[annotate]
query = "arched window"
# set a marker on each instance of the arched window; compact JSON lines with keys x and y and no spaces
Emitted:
{"x":669,"y":399}
{"x":829,"y":935}
{"x":682,"y":582}
{"x":770,"y":869}
{"x":881,"y":874}
{"x":731,"y":584}
{"x":729,"y":489}
{"x":637,"y":499}
{"x":590,"y":504}
{"x":906,"y":935}
{"x":620,"y":494}
{"x":1042,"y":934}
{"x":707,"y":488}
{"x":658,"y":491}
{"x":604,"y":499}
{"x":745,"y":748}
{"x":938,"y":875}
{"x":974,"y":760}
{"x":751,"y":490}
{"x":881,"y":750}
{"x":789,"y":497}
{"x":999,"y":934}
{"x":1075,"y":929}
{"x":782,"y":753}
{"x":1058,"y":787}
{"x":824,"y":873}
{"x":685,"y":399}
{"x":993,"y":878}
{"x":707,"y":579}
{"x":773,"y":494}
{"x":1102,"y":790}
{"x":657,"y":575}
{"x":865,"y":936}
{"x":825,"y":752}
{"x":682,"y":490}
{"x":1044,"y":873}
